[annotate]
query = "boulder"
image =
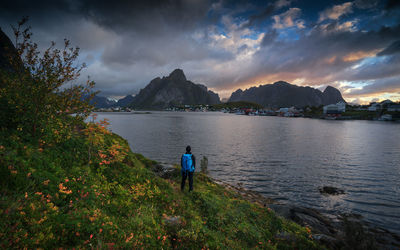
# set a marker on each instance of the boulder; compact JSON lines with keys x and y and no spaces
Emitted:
{"x":331,"y":190}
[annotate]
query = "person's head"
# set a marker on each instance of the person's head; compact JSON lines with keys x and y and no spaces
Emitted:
{"x":188,"y":149}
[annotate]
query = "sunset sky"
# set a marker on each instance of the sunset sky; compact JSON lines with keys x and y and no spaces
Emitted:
{"x":226,"y":45}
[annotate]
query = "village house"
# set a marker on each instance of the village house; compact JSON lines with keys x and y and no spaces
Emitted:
{"x":337,"y":108}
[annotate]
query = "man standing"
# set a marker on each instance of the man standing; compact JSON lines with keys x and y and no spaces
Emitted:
{"x":188,"y":164}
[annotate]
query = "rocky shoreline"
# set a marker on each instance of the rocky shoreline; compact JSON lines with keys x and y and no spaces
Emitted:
{"x":341,"y":231}
{"x":347,"y":231}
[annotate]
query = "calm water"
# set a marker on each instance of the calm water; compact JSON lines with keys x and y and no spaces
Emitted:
{"x":283,"y":158}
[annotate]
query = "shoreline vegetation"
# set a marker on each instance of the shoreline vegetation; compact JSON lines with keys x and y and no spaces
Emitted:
{"x":53,"y":196}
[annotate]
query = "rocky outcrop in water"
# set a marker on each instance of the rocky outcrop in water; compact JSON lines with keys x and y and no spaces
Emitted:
{"x":173,"y":90}
{"x":330,"y":190}
{"x":283,"y":94}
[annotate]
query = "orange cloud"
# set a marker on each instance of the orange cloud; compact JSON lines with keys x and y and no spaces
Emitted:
{"x":355,"y":56}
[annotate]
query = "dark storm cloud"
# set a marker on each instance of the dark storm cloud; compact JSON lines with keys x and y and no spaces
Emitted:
{"x":329,"y":50}
{"x":145,"y":17}
{"x":387,"y":85}
{"x":365,"y":4}
{"x":259,"y":17}
{"x":392,"y":4}
{"x":392,"y":49}
{"x":223,"y":43}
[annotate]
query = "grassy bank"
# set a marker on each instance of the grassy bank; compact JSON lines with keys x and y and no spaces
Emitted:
{"x":54,"y":196}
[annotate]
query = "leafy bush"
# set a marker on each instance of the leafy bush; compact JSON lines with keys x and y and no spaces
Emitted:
{"x":37,"y":103}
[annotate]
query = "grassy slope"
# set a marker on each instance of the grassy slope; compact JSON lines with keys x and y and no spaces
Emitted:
{"x":51,"y":197}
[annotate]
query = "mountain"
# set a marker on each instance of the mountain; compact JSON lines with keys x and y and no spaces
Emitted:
{"x":102,"y":102}
{"x":9,"y":59}
{"x":173,"y":90}
{"x":125,"y":102}
{"x":283,"y":94}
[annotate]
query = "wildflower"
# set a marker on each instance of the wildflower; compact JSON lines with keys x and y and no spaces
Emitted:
{"x":42,"y":219}
{"x":129,"y":238}
{"x":28,"y":174}
{"x":101,"y":230}
{"x":26,"y":195}
{"x":91,"y":236}
{"x":63,"y":189}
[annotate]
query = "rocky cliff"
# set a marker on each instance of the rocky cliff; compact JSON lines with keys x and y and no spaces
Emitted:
{"x":283,"y":94}
{"x":173,"y":90}
{"x":10,"y":62}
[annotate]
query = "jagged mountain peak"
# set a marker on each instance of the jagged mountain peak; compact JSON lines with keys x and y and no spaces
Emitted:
{"x":177,"y":75}
{"x":281,"y":83}
{"x":173,"y":90}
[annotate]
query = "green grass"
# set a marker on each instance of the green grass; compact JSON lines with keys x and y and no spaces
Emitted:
{"x":52,"y":196}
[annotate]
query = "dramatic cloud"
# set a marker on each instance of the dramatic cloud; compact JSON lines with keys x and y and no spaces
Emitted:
{"x":352,"y":45}
{"x":336,"y":11}
{"x":288,"y":19}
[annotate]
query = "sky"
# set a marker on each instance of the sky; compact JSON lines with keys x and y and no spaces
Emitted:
{"x":225,"y":45}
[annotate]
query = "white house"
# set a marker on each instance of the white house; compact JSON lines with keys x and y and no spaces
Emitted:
{"x":374,"y":107}
{"x":337,"y":108}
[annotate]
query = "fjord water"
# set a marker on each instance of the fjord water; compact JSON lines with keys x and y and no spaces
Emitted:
{"x":286,"y":159}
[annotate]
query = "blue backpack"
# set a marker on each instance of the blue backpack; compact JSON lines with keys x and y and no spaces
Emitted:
{"x":187,"y":163}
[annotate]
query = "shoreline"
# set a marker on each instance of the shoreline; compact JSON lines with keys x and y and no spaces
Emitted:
{"x":332,"y":230}
{"x":344,"y":118}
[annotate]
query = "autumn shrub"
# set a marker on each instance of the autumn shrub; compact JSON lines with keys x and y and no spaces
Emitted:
{"x":37,"y":97}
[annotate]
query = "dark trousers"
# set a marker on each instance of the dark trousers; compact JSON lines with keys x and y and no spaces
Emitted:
{"x":184,"y":176}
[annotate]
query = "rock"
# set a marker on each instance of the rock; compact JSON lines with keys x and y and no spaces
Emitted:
{"x":172,"y":220}
{"x":165,"y":171}
{"x":331,"y":190}
{"x":326,"y":240}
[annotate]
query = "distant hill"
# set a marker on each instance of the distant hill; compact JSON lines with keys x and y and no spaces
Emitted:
{"x":173,"y":90}
{"x":102,"y":102}
{"x":283,"y":94}
{"x":125,"y":102}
